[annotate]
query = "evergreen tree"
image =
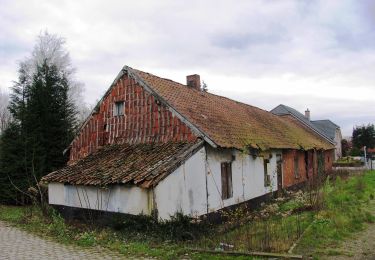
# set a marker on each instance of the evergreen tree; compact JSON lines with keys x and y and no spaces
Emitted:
{"x":363,"y":136}
{"x":345,"y":147}
{"x":43,"y":124}
{"x":12,"y":175}
{"x":48,"y":121}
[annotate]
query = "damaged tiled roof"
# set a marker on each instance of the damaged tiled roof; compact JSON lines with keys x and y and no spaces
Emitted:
{"x":229,"y":123}
{"x":141,"y":164}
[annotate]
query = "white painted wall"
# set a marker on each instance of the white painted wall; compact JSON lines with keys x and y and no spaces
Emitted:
{"x":56,"y":193}
{"x":338,"y":148}
{"x":123,"y":199}
{"x":247,"y":177}
{"x":184,"y":190}
{"x":193,"y":189}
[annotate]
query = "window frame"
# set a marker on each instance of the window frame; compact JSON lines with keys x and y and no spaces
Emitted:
{"x":226,"y":180}
{"x":267,"y":177}
{"x":119,"y":108}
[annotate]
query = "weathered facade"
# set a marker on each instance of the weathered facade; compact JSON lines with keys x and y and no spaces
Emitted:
{"x":194,"y":188}
{"x":326,"y":129}
{"x":333,"y":131}
{"x":144,"y":120}
{"x":302,"y":166}
{"x":152,"y":145}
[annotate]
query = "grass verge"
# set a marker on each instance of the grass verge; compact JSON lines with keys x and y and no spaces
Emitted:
{"x":345,"y":211}
{"x":126,"y":241}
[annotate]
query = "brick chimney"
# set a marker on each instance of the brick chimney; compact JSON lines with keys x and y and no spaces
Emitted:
{"x":194,"y":81}
{"x":307,"y":114}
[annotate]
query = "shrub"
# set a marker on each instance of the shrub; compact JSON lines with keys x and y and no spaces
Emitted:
{"x":179,"y":228}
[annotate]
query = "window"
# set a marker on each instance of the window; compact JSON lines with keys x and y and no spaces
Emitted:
{"x":267,"y":177}
{"x":226,"y":180}
{"x":118,"y":109}
{"x":296,"y":168}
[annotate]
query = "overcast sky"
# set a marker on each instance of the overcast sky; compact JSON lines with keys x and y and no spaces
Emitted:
{"x":306,"y":54}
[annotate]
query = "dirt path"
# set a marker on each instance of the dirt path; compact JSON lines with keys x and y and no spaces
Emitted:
{"x":361,"y":245}
{"x":18,"y":244}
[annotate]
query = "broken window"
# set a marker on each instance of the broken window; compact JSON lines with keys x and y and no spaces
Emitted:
{"x":118,"y":109}
{"x":267,"y":177}
{"x":226,"y":180}
{"x":296,"y":167}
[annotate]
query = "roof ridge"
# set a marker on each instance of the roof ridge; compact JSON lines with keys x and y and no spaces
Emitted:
{"x":235,"y":124}
{"x":208,"y":93}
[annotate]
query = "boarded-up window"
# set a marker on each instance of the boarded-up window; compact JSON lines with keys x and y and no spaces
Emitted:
{"x":267,"y":177}
{"x":296,"y":167}
{"x":118,"y":108}
{"x":226,"y":180}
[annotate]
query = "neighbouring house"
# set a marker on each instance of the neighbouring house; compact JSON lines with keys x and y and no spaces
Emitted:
{"x":157,"y":147}
{"x":333,"y":131}
{"x":324,"y":128}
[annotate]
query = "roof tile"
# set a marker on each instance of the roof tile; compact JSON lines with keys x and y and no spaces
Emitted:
{"x":230,"y":123}
{"x":142,"y":164}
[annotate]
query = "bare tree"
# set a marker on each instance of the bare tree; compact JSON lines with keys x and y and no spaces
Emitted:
{"x":5,"y":116}
{"x":50,"y":48}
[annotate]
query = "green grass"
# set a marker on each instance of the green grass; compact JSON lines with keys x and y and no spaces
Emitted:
{"x":275,"y":234}
{"x":345,"y":211}
{"x":11,"y":214}
{"x":129,"y":244}
{"x":290,"y":205}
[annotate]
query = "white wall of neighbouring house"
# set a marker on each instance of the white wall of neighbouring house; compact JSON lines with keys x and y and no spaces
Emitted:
{"x":247,"y":177}
{"x":338,"y":148}
{"x":117,"y":198}
{"x":184,"y":190}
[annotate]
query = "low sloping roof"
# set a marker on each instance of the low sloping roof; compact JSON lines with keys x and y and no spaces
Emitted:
{"x":317,"y":142}
{"x":285,"y":110}
{"x":228,"y":123}
{"x":327,"y":127}
{"x":141,"y":164}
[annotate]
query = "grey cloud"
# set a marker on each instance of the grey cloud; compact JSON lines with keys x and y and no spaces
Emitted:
{"x":313,"y":40}
{"x":346,"y":113}
{"x":355,"y":42}
{"x":242,"y":41}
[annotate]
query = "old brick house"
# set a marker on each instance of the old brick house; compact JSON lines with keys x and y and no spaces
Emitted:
{"x":153,"y":145}
{"x":311,"y":162}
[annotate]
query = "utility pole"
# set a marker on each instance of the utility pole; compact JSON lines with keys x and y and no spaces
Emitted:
{"x":364,"y":150}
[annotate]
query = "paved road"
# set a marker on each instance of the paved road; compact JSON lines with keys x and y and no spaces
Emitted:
{"x":18,"y":244}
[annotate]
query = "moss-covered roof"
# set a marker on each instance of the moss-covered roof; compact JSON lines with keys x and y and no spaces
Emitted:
{"x":229,"y":123}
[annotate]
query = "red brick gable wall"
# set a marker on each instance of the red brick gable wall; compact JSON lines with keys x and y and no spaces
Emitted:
{"x":289,"y":178}
{"x":329,"y":156}
{"x":145,"y":120}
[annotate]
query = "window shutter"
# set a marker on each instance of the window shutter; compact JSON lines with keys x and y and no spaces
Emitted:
{"x":226,"y":180}
{"x":230,"y":184}
{"x":224,"y":183}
